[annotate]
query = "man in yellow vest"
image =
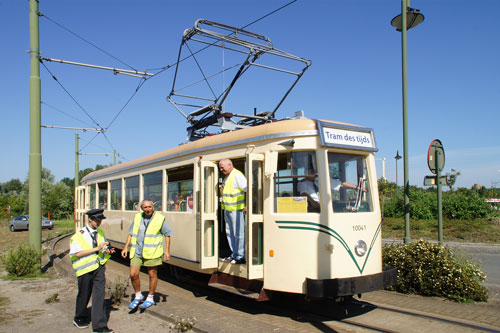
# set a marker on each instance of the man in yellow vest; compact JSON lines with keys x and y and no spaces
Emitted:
{"x":146,"y":235}
{"x":234,"y":191}
{"x":89,"y":252}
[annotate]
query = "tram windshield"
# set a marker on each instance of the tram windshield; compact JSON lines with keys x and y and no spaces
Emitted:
{"x":349,"y":183}
{"x":296,"y":183}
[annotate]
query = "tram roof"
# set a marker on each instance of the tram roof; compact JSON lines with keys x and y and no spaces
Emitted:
{"x":283,"y":128}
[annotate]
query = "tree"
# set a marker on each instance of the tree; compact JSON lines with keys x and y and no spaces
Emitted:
{"x":451,"y":177}
{"x":13,"y":185}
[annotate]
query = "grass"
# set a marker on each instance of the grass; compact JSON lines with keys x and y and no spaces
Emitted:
{"x":485,"y":230}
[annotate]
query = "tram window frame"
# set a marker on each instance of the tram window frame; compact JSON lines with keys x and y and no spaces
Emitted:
{"x":152,"y":187}
{"x":349,"y":172}
{"x":180,"y":182}
{"x":102,"y":195}
{"x":115,"y":193}
{"x":132,"y":193}
{"x":293,"y":167}
{"x":92,"y":196}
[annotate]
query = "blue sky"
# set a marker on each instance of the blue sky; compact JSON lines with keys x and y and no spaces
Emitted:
{"x":355,"y":77}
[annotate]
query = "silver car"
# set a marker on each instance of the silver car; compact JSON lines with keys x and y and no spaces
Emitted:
{"x":22,"y":223}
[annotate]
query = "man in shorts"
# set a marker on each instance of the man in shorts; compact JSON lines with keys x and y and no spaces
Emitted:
{"x":146,"y":235}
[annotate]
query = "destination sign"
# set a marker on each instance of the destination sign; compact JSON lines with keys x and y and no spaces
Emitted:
{"x":344,"y":136}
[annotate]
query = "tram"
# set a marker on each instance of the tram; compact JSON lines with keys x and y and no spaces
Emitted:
{"x":332,"y":251}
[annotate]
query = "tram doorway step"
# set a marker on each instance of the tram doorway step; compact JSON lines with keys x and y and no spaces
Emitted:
{"x":234,"y":290}
{"x":239,"y":286}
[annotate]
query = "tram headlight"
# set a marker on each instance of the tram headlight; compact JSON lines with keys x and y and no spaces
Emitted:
{"x":360,"y":248}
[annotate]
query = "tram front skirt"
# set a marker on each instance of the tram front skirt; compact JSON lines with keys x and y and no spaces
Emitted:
{"x":326,"y":288}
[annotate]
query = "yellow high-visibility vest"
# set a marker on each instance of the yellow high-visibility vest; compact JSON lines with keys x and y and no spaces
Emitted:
{"x":90,"y":262}
{"x":153,"y":238}
{"x":233,"y":199}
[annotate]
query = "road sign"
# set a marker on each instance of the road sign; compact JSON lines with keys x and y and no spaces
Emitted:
{"x":431,"y":180}
{"x":436,"y":147}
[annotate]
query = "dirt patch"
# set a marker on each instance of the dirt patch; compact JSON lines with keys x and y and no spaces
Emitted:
{"x":48,"y":304}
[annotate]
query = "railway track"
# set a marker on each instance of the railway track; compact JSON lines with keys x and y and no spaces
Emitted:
{"x":286,"y":312}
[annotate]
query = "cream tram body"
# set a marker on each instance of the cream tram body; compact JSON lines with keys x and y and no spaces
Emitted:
{"x":328,"y":253}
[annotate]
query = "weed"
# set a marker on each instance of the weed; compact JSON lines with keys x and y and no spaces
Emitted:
{"x":52,"y":299}
{"x":183,"y":324}
{"x":117,"y":289}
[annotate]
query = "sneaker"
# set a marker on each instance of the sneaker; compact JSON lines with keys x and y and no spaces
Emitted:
{"x":227,"y":259}
{"x":135,"y":303}
{"x":80,"y":324}
{"x":238,"y":261}
{"x":147,"y":304}
{"x":103,"y":330}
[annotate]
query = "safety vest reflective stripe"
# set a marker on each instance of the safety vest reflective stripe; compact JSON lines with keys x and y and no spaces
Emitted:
{"x":89,"y":262}
{"x":233,"y":199}
{"x":153,"y":239}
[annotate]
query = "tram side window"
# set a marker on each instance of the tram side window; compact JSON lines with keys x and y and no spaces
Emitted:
{"x":296,"y":187}
{"x":349,"y":183}
{"x":153,"y":189}
{"x":103,"y":195}
{"x":132,"y":193}
{"x":92,"y":196}
{"x":116,"y":194}
{"x":180,"y":189}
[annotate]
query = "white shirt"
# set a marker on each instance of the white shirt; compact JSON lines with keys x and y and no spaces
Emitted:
{"x":307,"y":186}
{"x":75,"y":247}
{"x":335,"y":184}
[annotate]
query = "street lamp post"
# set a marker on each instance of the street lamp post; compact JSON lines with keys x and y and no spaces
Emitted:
{"x":408,"y":19}
{"x":397,"y":157}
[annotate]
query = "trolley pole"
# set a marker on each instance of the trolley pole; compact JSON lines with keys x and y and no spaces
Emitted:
{"x":35,"y":157}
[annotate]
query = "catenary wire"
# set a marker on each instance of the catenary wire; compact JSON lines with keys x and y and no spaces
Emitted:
{"x":86,"y":41}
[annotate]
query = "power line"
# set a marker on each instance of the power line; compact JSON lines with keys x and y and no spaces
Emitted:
{"x":86,"y":41}
{"x":67,"y":92}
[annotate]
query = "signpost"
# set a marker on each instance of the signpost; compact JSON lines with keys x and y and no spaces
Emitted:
{"x":435,"y":161}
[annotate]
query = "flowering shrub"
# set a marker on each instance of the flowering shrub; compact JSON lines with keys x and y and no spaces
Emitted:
{"x":433,"y":270}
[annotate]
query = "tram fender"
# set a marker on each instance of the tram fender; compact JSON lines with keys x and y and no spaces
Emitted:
{"x":323,"y":288}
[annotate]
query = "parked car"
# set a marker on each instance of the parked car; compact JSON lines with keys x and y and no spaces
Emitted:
{"x":22,"y":223}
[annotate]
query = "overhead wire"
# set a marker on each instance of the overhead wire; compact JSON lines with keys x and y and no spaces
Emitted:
{"x":67,"y":114}
{"x":86,"y":41}
{"x":71,"y":96}
{"x":143,"y":80}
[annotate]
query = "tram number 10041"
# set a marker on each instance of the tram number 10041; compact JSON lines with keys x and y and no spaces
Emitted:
{"x":359,"y":227}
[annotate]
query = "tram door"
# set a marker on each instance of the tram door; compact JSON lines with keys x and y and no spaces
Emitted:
{"x":80,"y":207}
{"x":255,"y":215}
{"x":209,"y":230}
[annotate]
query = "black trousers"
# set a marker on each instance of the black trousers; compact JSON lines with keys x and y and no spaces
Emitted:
{"x":92,"y":284}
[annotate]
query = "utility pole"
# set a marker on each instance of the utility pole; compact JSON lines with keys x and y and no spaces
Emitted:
{"x":35,"y":157}
{"x":77,"y":166}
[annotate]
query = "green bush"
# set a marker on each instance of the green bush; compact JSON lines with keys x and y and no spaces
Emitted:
{"x":433,"y":270}
{"x":23,"y":261}
{"x":464,"y":205}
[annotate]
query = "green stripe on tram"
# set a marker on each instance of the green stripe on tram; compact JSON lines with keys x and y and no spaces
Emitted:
{"x":311,"y":226}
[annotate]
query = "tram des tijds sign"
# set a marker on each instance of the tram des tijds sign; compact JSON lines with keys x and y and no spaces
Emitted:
{"x":435,"y":160}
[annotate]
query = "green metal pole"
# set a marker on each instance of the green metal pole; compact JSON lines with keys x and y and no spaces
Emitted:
{"x":35,"y":157}
{"x":77,"y":177}
{"x":114,"y":156}
{"x":407,"y":240}
{"x":77,"y":165}
{"x":439,"y":196}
